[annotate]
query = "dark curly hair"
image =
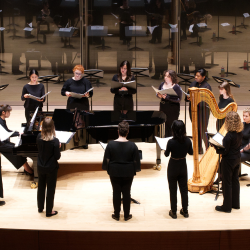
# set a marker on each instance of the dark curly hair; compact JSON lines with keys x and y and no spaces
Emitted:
{"x":5,"y":108}
{"x":123,"y":128}
{"x":172,"y":75}
{"x":179,"y":130}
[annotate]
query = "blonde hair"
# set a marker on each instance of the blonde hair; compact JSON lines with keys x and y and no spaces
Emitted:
{"x":48,"y":129}
{"x":233,"y":122}
{"x":247,"y":110}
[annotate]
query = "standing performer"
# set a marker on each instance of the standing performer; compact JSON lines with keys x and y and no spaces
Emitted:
{"x":245,"y":143}
{"x":77,"y":84}
{"x":203,"y":110}
{"x":121,"y":160}
{"x":123,"y":101}
{"x":225,"y":98}
{"x":6,"y":147}
{"x":179,"y":147}
{"x":230,"y":163}
{"x":34,"y":88}
{"x":47,"y":166}
{"x":170,"y":105}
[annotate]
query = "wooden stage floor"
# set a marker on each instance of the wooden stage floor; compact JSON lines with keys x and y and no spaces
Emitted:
{"x":84,"y":197}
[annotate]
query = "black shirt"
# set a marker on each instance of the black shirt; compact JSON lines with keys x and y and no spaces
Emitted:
{"x":35,"y":90}
{"x":179,"y":149}
{"x":121,"y":159}
{"x":116,"y":90}
{"x":48,"y":154}
{"x":232,"y":144}
{"x":245,"y":134}
{"x":81,"y":86}
{"x":224,"y":102}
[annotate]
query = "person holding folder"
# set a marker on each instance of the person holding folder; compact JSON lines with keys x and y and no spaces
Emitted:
{"x":122,"y":161}
{"x":77,"y":84}
{"x":123,"y":99}
{"x":34,"y":88}
{"x":6,"y":147}
{"x":169,"y":104}
{"x":230,"y":163}
{"x":47,"y":166}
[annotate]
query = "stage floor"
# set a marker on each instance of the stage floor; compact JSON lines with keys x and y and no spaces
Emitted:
{"x":84,"y":197}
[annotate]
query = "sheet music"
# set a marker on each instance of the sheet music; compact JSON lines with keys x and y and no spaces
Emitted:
{"x":162,"y":142}
{"x":35,"y":97}
{"x":188,"y":95}
{"x":151,"y":29}
{"x":115,"y":16}
{"x":169,"y":91}
{"x":4,"y":134}
{"x":104,"y":145}
{"x":33,"y":119}
{"x":28,"y":29}
{"x":64,"y":136}
{"x":225,"y":24}
{"x":78,"y":95}
{"x":2,"y":28}
{"x":246,"y":15}
{"x":217,"y":140}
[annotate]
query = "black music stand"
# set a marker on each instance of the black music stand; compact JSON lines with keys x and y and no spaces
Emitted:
{"x":227,"y":72}
{"x":218,"y":37}
{"x":139,"y":72}
{"x":135,"y":31}
{"x":169,"y":40}
{"x":235,"y":31}
{"x":67,"y":33}
{"x":2,"y":87}
{"x":221,"y":80}
{"x":100,"y":31}
{"x":186,"y":81}
{"x":47,"y":79}
{"x":243,"y":25}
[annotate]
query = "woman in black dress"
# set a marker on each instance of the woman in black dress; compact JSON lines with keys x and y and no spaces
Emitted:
{"x":179,"y":147}
{"x":47,"y":166}
{"x":123,"y":101}
{"x":230,"y":163}
{"x":225,"y":98}
{"x":77,"y":84}
{"x":6,"y":147}
{"x":245,"y":143}
{"x":121,"y":160}
{"x":34,"y":88}
{"x":170,"y":105}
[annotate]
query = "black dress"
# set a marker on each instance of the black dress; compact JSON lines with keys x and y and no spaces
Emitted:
{"x":121,"y":160}
{"x":47,"y":166}
{"x":222,"y":104}
{"x":203,"y":115}
{"x":123,"y":102}
{"x":81,"y":87}
{"x":245,"y":156}
{"x":171,"y":107}
{"x":177,"y":171}
{"x":30,"y":104}
{"x":230,"y":164}
{"x":6,"y":148}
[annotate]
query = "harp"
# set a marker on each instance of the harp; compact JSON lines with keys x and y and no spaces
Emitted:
{"x":205,"y":169}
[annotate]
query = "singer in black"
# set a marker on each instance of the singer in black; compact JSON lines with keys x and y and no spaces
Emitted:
{"x":203,"y":109}
{"x":230,"y":163}
{"x":123,"y":99}
{"x":77,"y":84}
{"x":121,"y":160}
{"x":179,"y":147}
{"x":170,"y":104}
{"x":6,"y":147}
{"x":34,"y":88}
{"x":47,"y":166}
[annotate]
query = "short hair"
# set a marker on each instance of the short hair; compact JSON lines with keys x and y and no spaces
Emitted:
{"x":225,"y":85}
{"x":48,"y":129}
{"x":247,"y":110}
{"x":233,"y":122}
{"x":78,"y":67}
{"x":123,"y":128}
{"x":5,"y":108}
{"x":178,"y":130}
{"x":172,"y":75}
{"x":202,"y":72}
{"x":33,"y":71}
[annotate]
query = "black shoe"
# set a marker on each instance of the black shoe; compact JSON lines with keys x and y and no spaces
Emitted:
{"x":49,"y":215}
{"x":85,"y":146}
{"x":40,"y":210}
{"x":128,"y":218}
{"x":220,"y":209}
{"x":2,"y":203}
{"x":236,"y":207}
{"x":151,"y":41}
{"x":173,"y":214}
{"x":185,"y":214}
{"x":115,"y":218}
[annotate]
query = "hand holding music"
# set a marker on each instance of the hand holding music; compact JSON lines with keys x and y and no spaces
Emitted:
{"x":67,"y":94}
{"x":159,"y":95}
{"x":86,"y":95}
{"x":40,"y":100}
{"x":26,"y":96}
{"x":123,"y":89}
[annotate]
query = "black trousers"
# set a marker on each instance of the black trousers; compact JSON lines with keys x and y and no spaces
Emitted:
{"x":1,"y":181}
{"x":121,"y":185}
{"x":123,"y":102}
{"x":172,"y":111}
{"x":230,"y":183}
{"x":177,"y":173}
{"x":46,"y":180}
{"x":244,"y":157}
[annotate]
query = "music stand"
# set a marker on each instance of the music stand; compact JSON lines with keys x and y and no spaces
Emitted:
{"x":100,"y":31}
{"x":47,"y":79}
{"x":228,"y":73}
{"x":139,"y":72}
{"x":67,"y":32}
{"x":221,"y":80}
{"x":218,"y":37}
{"x":243,"y":25}
{"x":186,"y":81}
{"x":135,"y":31}
{"x":2,"y":87}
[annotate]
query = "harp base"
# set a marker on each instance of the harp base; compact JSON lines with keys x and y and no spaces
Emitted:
{"x":195,"y":187}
